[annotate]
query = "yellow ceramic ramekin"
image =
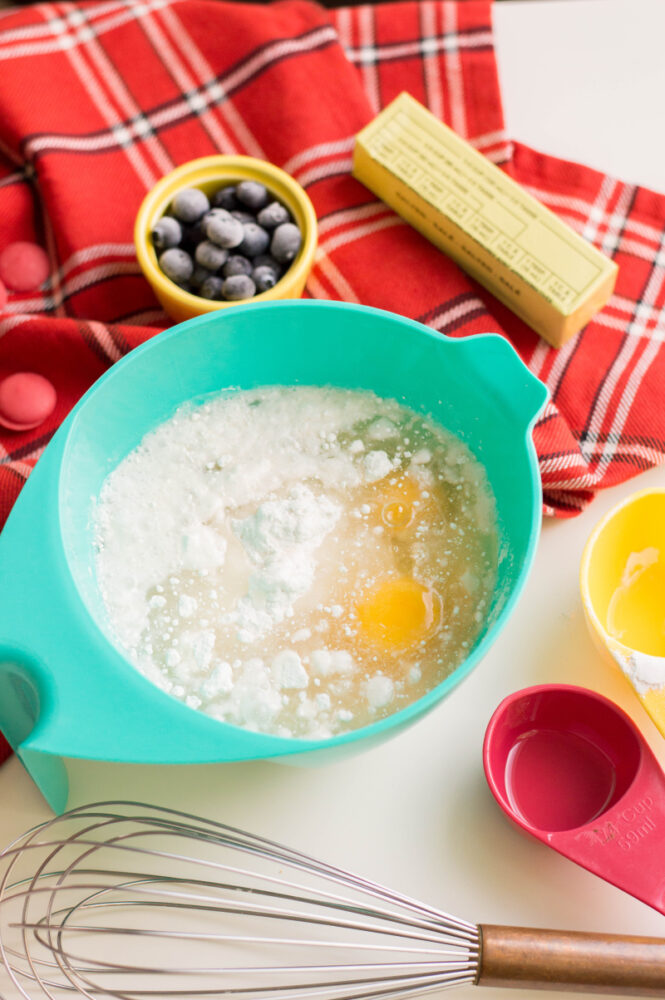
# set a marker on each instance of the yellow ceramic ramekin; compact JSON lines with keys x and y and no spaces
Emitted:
{"x":208,"y":174}
{"x":635,"y":525}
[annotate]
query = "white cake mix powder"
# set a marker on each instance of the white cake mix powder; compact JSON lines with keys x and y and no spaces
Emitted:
{"x":298,"y":561}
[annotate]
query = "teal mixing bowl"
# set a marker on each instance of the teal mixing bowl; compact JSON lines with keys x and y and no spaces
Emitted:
{"x":65,"y":689}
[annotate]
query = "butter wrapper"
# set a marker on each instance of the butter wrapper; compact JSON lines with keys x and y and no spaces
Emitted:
{"x":466,"y":206}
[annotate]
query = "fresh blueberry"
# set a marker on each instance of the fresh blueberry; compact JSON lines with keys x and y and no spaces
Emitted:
{"x":211,"y":288}
{"x":192,"y":236}
{"x":238,"y":286}
{"x":255,"y":240}
{"x":252,"y":194}
{"x":265,"y":260}
{"x":273,"y":215}
{"x":225,"y":232}
{"x":214,"y":213}
{"x":189,"y":205}
{"x":199,"y":275}
{"x":176,"y":264}
{"x":237,"y":264}
{"x":243,"y":217}
{"x":264,"y":278}
{"x":210,"y":255}
{"x":220,"y":214}
{"x":285,"y":242}
{"x":166,"y":233}
{"x":225,"y":198}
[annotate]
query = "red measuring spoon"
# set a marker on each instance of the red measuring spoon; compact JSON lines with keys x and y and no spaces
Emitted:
{"x":569,"y":767}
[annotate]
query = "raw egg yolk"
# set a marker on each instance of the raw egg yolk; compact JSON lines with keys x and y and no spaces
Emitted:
{"x":397,"y":502}
{"x":399,"y":612}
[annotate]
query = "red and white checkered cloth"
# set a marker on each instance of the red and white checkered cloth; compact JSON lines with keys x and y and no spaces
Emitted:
{"x":98,"y":100}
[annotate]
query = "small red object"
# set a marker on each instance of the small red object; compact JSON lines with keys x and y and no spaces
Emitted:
{"x":23,"y":266}
{"x":3,"y":296}
{"x":571,"y":769}
{"x":26,"y":400}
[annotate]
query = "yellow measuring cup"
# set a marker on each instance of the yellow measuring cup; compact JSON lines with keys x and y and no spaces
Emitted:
{"x":622,"y":579}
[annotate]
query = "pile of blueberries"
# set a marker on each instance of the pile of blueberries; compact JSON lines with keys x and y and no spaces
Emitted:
{"x":232,"y":249}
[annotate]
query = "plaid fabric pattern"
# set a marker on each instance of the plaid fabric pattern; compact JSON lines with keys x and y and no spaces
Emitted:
{"x":98,"y":100}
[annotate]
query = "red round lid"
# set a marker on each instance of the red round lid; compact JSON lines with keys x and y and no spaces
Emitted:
{"x":23,"y":266}
{"x":26,"y":400}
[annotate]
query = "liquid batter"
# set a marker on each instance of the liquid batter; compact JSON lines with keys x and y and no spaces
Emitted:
{"x":299,"y":561}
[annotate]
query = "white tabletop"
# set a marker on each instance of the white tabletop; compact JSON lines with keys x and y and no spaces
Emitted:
{"x":583,"y":79}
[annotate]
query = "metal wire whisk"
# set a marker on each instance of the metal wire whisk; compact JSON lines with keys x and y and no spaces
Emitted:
{"x":129,"y":901}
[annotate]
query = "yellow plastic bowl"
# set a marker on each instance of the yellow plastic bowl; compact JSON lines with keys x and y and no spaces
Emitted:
{"x":636,"y":524}
{"x":208,"y":174}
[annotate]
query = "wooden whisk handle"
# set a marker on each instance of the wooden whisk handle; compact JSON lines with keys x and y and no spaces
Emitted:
{"x":571,"y":960}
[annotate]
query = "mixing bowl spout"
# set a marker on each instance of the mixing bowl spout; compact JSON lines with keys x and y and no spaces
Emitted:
{"x":517,"y":390}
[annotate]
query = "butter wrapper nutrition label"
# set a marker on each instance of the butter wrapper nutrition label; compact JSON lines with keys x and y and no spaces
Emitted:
{"x":497,"y":232}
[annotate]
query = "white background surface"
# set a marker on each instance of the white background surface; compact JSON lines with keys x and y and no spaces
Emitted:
{"x":583,"y":79}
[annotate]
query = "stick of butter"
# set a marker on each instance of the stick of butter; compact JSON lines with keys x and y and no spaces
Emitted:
{"x":520,"y":251}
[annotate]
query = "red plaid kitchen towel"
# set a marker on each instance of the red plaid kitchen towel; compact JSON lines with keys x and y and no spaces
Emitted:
{"x":98,"y":100}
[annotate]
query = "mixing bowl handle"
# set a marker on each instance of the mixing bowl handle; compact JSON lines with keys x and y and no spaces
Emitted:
{"x":21,"y":704}
{"x":590,"y":963}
